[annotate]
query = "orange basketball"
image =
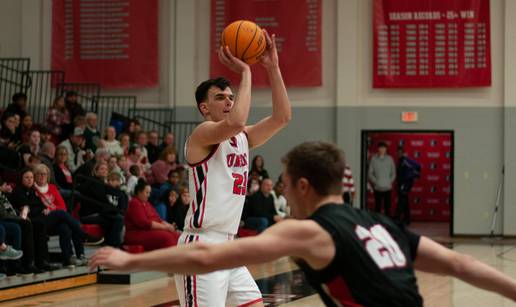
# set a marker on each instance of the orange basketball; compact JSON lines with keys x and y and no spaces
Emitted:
{"x":245,"y":40}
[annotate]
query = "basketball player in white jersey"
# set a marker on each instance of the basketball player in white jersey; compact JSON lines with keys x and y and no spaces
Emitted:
{"x":218,"y":154}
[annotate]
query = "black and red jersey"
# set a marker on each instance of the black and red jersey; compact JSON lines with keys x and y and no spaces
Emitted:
{"x":373,"y":264}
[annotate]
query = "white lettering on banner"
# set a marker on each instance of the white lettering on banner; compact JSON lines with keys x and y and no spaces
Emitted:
{"x":417,"y":189}
{"x":417,"y":143}
{"x":432,"y":201}
{"x":446,"y":166}
{"x":447,"y":143}
{"x":433,"y":154}
{"x":433,"y":178}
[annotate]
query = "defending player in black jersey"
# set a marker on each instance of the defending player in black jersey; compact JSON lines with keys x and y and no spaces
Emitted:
{"x":351,"y":257}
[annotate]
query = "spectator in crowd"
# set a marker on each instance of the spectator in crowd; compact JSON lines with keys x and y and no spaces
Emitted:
{"x":168,"y":140}
{"x":125,"y":143}
{"x":258,"y":166}
{"x":46,"y":156}
{"x":131,"y":129}
{"x":96,"y":208}
{"x":172,"y":183}
{"x":58,"y":220}
{"x":134,"y":175}
{"x":26,"y":127}
{"x":124,"y":165}
{"x":253,"y":184}
{"x":58,"y":117}
{"x":29,"y":205}
{"x":348,"y":186}
{"x":46,"y":136}
{"x":408,"y":170}
{"x":167,"y":201}
{"x":101,"y":155}
{"x":382,"y":174}
{"x":63,"y":176}
{"x":163,"y":166}
{"x":32,"y":147}
{"x":29,"y":234}
{"x":114,"y":193}
{"x":80,"y":121}
{"x":112,"y":144}
{"x":141,"y":142}
{"x":73,"y":106}
{"x":18,"y":105}
{"x":259,"y":210}
{"x":113,"y":167}
{"x":91,"y":134}
{"x":143,"y":224}
{"x":176,"y":212}
{"x":152,"y":146}
{"x":280,"y":202}
{"x":74,"y":145}
{"x":135,"y":158}
{"x":7,"y":252}
{"x":8,"y":137}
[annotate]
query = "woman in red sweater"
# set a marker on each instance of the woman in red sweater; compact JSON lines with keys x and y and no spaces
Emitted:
{"x":143,"y":224}
{"x":58,"y":221}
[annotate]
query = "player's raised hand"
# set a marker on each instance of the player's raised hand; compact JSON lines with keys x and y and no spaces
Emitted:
{"x":111,"y":258}
{"x":230,"y":61}
{"x":269,"y":58}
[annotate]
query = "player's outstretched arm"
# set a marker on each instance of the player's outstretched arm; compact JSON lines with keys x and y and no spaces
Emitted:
{"x":434,"y":258}
{"x":281,"y":110}
{"x":303,"y":239}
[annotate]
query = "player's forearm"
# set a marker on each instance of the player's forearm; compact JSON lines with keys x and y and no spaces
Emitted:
{"x":240,"y":111}
{"x":281,"y":109}
{"x":484,"y":276}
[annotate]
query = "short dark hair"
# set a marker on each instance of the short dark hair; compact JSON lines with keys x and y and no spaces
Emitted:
{"x":321,"y":163}
{"x":202,"y":90}
{"x":140,"y":186}
{"x":19,"y":96}
{"x":382,"y":144}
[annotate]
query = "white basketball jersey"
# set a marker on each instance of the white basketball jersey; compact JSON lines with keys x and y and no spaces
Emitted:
{"x":218,"y":186}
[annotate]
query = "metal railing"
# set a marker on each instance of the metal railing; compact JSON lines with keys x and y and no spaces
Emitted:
{"x":88,"y":94}
{"x":43,"y":89}
{"x":181,"y":131}
{"x":13,"y":78}
{"x":106,"y":105}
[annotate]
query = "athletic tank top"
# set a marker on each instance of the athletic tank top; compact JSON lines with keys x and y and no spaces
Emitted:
{"x":218,"y":186}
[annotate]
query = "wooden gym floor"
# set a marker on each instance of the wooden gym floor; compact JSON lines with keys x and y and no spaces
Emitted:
{"x":283,"y":285}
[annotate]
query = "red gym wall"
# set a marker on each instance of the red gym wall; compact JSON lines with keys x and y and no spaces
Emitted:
{"x":430,"y":198}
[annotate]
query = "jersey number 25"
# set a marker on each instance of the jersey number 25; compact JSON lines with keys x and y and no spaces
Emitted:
{"x":381,"y":247}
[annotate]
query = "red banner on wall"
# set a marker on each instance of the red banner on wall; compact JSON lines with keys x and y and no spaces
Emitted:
{"x":297,"y":25}
{"x":428,"y":43}
{"x":113,"y":43}
{"x":429,"y":199}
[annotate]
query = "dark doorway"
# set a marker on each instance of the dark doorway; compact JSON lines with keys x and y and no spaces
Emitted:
{"x":430,"y":197}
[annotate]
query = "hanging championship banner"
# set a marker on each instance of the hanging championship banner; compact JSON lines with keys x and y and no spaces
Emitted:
{"x":428,"y":43}
{"x":113,"y":43}
{"x":297,"y":25}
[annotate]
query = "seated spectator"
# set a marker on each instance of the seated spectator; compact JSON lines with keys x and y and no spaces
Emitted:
{"x":143,"y":224}
{"x":177,"y":211}
{"x":259,"y":210}
{"x":134,"y":175}
{"x":135,"y":158}
{"x":96,"y":208}
{"x":101,"y":155}
{"x":258,"y":166}
{"x":91,"y":134}
{"x":125,"y":143}
{"x":167,"y":201}
{"x":18,"y":106}
{"x":113,"y":167}
{"x":114,"y":193}
{"x":112,"y":144}
{"x":57,"y":117}
{"x":152,"y":146}
{"x":172,"y":183}
{"x":46,"y":155}
{"x":163,"y":166}
{"x":131,"y":130}
{"x":29,"y":233}
{"x":74,"y":145}
{"x":73,"y":106}
{"x":253,"y":185}
{"x":26,"y":127}
{"x":141,"y":142}
{"x":280,"y":202}
{"x":31,"y":207}
{"x":58,"y":221}
{"x":9,"y":141}
{"x":168,"y":140}
{"x":32,"y":147}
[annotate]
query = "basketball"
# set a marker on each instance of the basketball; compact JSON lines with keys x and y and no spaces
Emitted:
{"x":245,"y":40}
